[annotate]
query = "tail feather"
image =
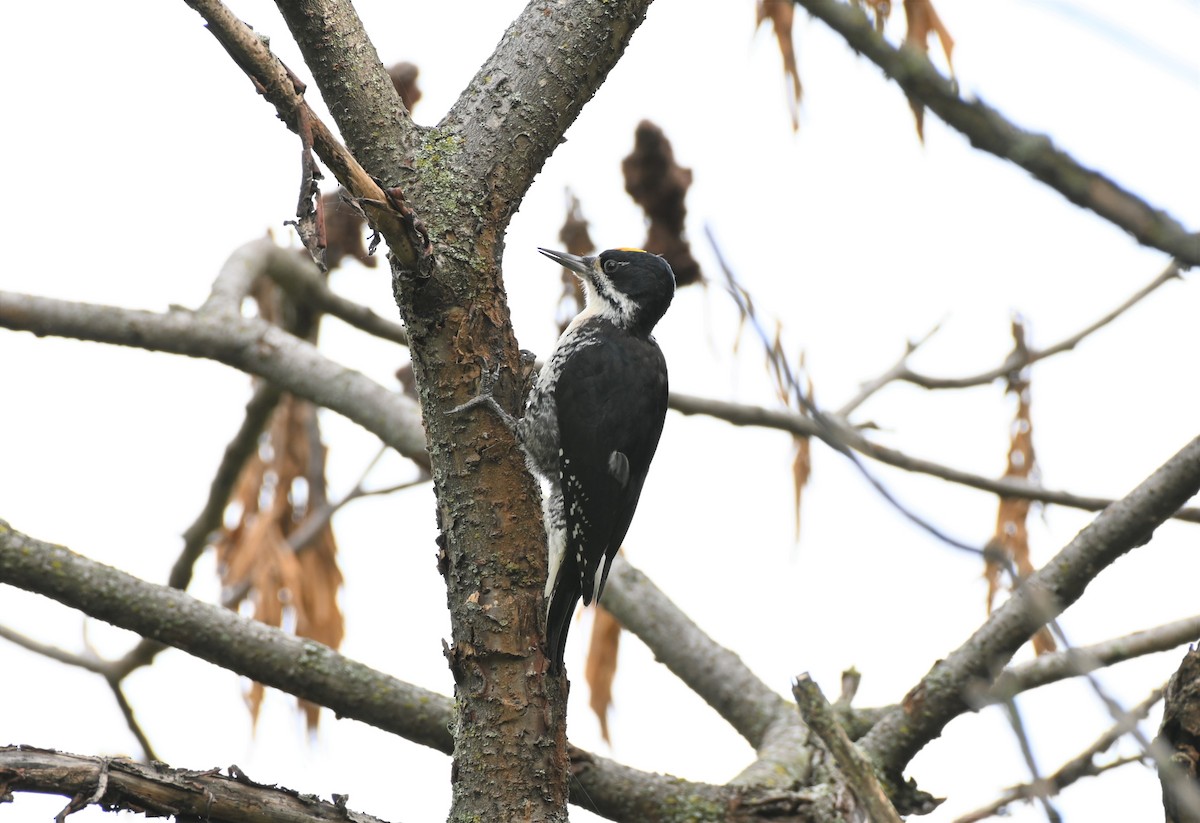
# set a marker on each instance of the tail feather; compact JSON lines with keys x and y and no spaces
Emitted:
{"x":558,"y":622}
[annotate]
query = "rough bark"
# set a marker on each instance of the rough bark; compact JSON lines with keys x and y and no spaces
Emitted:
{"x":465,"y":178}
{"x":1179,"y":743}
{"x":119,"y":784}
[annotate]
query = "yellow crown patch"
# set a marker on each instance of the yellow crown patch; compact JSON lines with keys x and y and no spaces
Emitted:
{"x":626,"y":248}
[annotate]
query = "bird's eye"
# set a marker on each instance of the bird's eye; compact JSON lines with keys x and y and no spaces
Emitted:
{"x":611,"y":266}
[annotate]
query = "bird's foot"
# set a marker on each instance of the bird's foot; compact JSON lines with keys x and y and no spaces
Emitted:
{"x":487,"y":382}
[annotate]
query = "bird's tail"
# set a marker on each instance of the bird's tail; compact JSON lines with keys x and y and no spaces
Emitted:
{"x":558,"y":622}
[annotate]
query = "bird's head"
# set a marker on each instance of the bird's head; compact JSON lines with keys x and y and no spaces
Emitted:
{"x":629,"y":287}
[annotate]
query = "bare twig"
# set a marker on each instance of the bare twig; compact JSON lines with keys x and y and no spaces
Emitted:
{"x":1051,"y":668}
{"x":243,"y":445}
{"x":853,"y":766}
{"x":898,"y":369}
{"x":1081,"y":766}
{"x":1018,"y":359}
{"x":741,"y":414}
{"x":825,"y":425}
{"x":306,"y":286}
{"x":84,"y":661}
{"x":276,"y":83}
{"x":989,"y":131}
{"x":1039,"y":790}
{"x":148,"y":755}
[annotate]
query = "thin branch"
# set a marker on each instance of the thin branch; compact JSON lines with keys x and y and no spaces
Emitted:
{"x":283,"y":90}
{"x":1039,"y":792}
{"x":1018,"y":359}
{"x":361,"y":96}
{"x":989,"y":131}
{"x":856,"y":769}
{"x":303,"y":282}
{"x":790,"y":387}
{"x":899,"y":368}
{"x":246,"y":343}
{"x":243,"y":445}
{"x":1081,"y":766}
{"x":316,"y":520}
{"x":946,"y":691}
{"x":740,"y":414}
{"x":767,"y":721}
{"x":83,"y":661}
{"x":148,"y":755}
{"x":1051,"y":668}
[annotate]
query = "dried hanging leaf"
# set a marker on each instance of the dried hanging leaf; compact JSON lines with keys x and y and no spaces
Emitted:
{"x":801,"y":471}
{"x":1012,"y":535}
{"x":404,"y":78}
{"x":576,"y":240}
{"x":922,"y":21}
{"x":601,"y":668}
{"x":802,"y":463}
{"x":782,"y":14}
{"x":659,"y":185}
{"x":317,"y":613}
{"x":344,"y":231}
{"x":880,"y":10}
{"x":261,"y":557}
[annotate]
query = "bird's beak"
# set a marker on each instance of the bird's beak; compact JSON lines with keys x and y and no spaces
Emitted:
{"x":580,"y":265}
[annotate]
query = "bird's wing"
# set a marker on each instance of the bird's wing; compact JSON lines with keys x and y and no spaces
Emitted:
{"x":609,"y":427}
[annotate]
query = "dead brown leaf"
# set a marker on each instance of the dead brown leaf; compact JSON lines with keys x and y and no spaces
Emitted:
{"x":261,"y":558}
{"x":601,"y":668}
{"x":1012,"y":534}
{"x":659,"y":185}
{"x":923,"y":20}
{"x":782,"y":14}
{"x":404,"y":78}
{"x":576,"y":240}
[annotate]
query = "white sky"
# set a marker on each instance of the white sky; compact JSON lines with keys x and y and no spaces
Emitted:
{"x":139,"y":157}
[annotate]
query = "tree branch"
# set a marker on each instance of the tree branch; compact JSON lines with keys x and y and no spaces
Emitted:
{"x":513,"y":114}
{"x":301,"y":667}
{"x":949,"y":689}
{"x":284,"y":91}
{"x":1051,"y":668}
{"x":1081,"y":766}
{"x":1018,"y":359}
{"x":312,"y":671}
{"x":243,"y":445}
{"x":305,"y":285}
{"x":857,"y":770}
{"x":357,"y":89}
{"x":246,"y":343}
{"x":989,"y":131}
{"x":740,"y":414}
{"x":160,"y":792}
{"x":767,"y":721}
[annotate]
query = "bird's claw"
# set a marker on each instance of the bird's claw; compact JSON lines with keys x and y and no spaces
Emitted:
{"x":487,"y":382}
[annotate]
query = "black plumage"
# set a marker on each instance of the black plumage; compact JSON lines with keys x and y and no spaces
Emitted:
{"x":593,"y":423}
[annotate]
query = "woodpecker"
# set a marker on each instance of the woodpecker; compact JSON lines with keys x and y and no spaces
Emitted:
{"x":592,"y":424}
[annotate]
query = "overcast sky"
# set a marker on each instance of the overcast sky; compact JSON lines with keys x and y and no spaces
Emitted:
{"x":139,"y":157}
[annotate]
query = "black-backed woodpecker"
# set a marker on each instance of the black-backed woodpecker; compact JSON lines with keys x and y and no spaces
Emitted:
{"x":592,"y":423}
